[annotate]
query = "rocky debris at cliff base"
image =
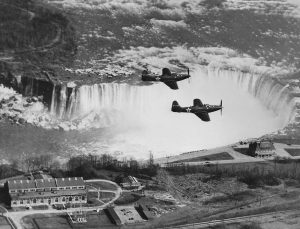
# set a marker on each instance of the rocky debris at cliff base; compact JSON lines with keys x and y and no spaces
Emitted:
{"x":20,"y":110}
{"x":30,"y":110}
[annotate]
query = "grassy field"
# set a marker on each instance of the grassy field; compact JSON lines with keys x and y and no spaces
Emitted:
{"x":213,"y":157}
{"x":251,"y":225}
{"x":293,"y":152}
{"x":237,"y":196}
{"x":93,"y":199}
{"x":104,"y":197}
{"x":127,"y":198}
{"x":52,"y":221}
{"x":103,"y":185}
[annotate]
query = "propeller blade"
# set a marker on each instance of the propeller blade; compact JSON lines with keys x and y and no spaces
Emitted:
{"x":221,"y":104}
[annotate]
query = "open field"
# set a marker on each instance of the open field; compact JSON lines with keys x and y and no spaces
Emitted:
{"x":52,"y":221}
{"x":293,"y":152}
{"x":212,"y":157}
{"x":104,"y":197}
{"x":127,"y":198}
{"x":102,"y":185}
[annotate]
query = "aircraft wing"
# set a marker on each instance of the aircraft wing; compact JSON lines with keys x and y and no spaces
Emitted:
{"x":172,"y":84}
{"x":203,"y":116}
{"x":197,"y":102}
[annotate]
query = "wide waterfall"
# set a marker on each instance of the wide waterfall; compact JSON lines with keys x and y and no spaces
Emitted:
{"x":71,"y":103}
{"x":139,"y":119}
{"x":273,"y":95}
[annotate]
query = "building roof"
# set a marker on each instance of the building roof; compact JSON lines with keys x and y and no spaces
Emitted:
{"x":21,"y":184}
{"x":265,"y":145}
{"x":26,"y":195}
{"x":70,"y":181}
{"x":143,"y":210}
{"x":130,"y":179}
{"x":45,"y":183}
{"x":128,"y":214}
{"x":113,"y":216}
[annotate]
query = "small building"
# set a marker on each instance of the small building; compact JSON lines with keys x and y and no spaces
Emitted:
{"x":265,"y":149}
{"x":47,"y":191}
{"x":130,"y":182}
{"x":112,"y":215}
{"x":145,"y":212}
{"x":124,"y":215}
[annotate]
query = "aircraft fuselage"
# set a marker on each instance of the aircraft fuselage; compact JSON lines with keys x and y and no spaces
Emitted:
{"x":168,"y":78}
{"x":196,"y":109}
{"x":165,"y":78}
{"x":199,"y":109}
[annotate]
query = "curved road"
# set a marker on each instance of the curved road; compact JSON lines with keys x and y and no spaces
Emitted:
{"x":117,"y":192}
{"x":8,"y":219}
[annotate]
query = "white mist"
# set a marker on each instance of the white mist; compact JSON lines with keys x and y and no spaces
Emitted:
{"x":145,"y":122}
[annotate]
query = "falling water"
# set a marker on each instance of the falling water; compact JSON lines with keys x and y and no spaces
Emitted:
{"x":118,"y":96}
{"x":140,"y":119}
{"x":267,"y":90}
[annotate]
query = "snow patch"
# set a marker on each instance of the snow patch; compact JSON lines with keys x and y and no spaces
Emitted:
{"x":284,"y":7}
{"x":215,"y":57}
{"x":168,"y":23}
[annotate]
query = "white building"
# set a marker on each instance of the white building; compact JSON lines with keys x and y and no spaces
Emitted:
{"x":47,"y":191}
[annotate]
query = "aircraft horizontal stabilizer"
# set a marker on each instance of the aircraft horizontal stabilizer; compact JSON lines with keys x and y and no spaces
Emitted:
{"x":172,"y":84}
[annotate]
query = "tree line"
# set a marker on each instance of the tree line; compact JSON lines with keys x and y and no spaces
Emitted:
{"x":87,"y":166}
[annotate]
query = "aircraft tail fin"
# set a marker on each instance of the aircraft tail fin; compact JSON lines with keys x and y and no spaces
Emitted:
{"x":145,"y":75}
{"x":166,"y":71}
{"x":175,"y":106}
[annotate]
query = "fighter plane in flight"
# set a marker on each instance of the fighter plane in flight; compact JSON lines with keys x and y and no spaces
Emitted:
{"x":199,"y":109}
{"x":170,"y":79}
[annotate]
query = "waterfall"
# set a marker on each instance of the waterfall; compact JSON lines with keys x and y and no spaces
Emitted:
{"x":73,"y":103}
{"x":266,"y":89}
{"x":138,"y":118}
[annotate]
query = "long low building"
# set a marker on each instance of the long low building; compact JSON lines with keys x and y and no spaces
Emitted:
{"x":47,"y":191}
